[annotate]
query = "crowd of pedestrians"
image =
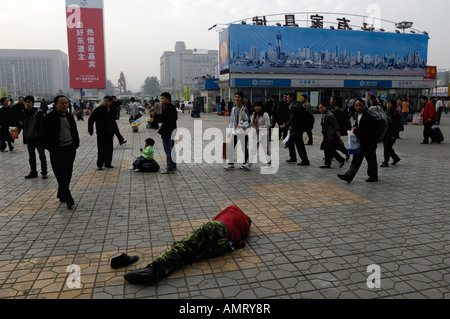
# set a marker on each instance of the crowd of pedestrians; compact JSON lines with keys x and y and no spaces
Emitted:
{"x":294,"y":119}
{"x":56,"y":132}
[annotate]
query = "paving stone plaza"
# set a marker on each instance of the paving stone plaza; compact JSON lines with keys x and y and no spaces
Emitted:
{"x":313,"y":236}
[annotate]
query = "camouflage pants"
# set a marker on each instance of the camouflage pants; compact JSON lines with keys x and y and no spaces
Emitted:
{"x":208,"y":241}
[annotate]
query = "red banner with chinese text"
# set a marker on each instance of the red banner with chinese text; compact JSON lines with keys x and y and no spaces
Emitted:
{"x":86,"y":44}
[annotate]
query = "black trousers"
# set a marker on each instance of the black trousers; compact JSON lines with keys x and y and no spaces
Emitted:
{"x":370,"y":154}
{"x":427,"y":130}
{"x":296,"y":141}
{"x":32,"y":147}
{"x":330,"y":151}
{"x":105,"y":147}
{"x":389,"y":150}
{"x":5,"y":138}
{"x":62,"y":160}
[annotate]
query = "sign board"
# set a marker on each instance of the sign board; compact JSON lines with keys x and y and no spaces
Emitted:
{"x":294,"y":50}
{"x":85,"y":34}
{"x":187,"y":93}
{"x":431,"y":73}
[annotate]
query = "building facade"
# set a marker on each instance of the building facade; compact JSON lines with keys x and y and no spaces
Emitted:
{"x":262,"y":61}
{"x":35,"y":72}
{"x":183,"y":67}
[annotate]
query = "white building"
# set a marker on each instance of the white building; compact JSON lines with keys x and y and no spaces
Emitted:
{"x":182,"y":68}
{"x":35,"y":72}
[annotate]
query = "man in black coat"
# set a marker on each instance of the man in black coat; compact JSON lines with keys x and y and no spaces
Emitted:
{"x":297,"y":124}
{"x":59,"y":135}
{"x":169,"y":119}
{"x":7,"y":119}
{"x":104,"y":118}
{"x":365,"y":130}
{"x":31,"y":126}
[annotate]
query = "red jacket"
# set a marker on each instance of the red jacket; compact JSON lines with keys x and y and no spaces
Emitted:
{"x":237,"y":223}
{"x":429,"y":113}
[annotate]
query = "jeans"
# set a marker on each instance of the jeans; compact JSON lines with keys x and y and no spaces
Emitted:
{"x":405,"y":118}
{"x":32,"y":146}
{"x":169,"y":145}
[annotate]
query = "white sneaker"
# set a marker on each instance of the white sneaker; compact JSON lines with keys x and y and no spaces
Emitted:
{"x":137,"y":170}
{"x":246,"y":167}
{"x":229,"y":167}
{"x":13,"y":150}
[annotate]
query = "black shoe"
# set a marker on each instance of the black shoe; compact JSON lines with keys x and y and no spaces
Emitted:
{"x":424,"y":142}
{"x":341,"y":164}
{"x":291,"y":161}
{"x":325,"y":166}
{"x":145,"y":275}
{"x":109,"y":166}
{"x":44,"y":175}
{"x":372,"y":180}
{"x":396,"y":161}
{"x":99,"y":168}
{"x":70,"y":203}
{"x":345,"y":178}
{"x":123,"y":142}
{"x":384,"y":165}
{"x":123,"y":261}
{"x":304,"y":164}
{"x":31,"y":175}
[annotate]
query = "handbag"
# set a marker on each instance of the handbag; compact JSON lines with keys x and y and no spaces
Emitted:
{"x":354,"y":144}
{"x":14,"y":131}
{"x":32,"y":131}
{"x":286,"y":141}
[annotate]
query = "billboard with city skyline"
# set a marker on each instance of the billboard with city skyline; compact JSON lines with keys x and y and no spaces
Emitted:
{"x":289,"y":50}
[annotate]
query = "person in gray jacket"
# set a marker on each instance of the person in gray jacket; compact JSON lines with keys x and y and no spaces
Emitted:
{"x":331,"y":137}
{"x":239,"y":123}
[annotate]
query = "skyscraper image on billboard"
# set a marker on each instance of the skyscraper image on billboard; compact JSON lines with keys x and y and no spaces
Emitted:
{"x":271,"y":49}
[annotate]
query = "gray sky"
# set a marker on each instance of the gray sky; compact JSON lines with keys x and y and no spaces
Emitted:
{"x":139,"y":31}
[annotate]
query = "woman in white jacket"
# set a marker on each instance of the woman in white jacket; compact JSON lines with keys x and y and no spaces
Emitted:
{"x":259,"y":136}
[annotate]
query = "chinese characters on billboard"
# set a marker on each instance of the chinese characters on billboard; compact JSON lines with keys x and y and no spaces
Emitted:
{"x":86,"y":44}
{"x":288,"y":50}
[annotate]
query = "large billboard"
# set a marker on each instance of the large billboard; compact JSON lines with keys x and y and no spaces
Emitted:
{"x":86,"y":44}
{"x":293,"y":50}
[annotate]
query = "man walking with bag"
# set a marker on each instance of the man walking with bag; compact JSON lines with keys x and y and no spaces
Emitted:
{"x":365,"y":130}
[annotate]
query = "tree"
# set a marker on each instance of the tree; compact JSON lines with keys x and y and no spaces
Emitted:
{"x":151,"y":86}
{"x":110,"y":88}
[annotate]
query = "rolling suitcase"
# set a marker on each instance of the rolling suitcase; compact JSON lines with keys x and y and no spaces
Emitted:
{"x":436,"y":134}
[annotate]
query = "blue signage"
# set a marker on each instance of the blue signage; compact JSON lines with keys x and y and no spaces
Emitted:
{"x":259,"y":83}
{"x":367,"y":84}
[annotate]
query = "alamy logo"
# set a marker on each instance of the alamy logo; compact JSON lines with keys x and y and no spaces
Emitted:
{"x":374,"y":280}
{"x":232,"y":148}
{"x":74,"y":278}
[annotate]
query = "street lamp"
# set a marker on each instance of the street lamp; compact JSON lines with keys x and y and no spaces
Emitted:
{"x":404,"y":25}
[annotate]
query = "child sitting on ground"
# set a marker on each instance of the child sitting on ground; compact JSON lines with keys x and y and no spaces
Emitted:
{"x":145,"y":162}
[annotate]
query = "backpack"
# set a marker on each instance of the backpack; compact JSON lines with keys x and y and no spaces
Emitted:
{"x":343,"y":121}
{"x":309,"y":120}
{"x":382,"y":122}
